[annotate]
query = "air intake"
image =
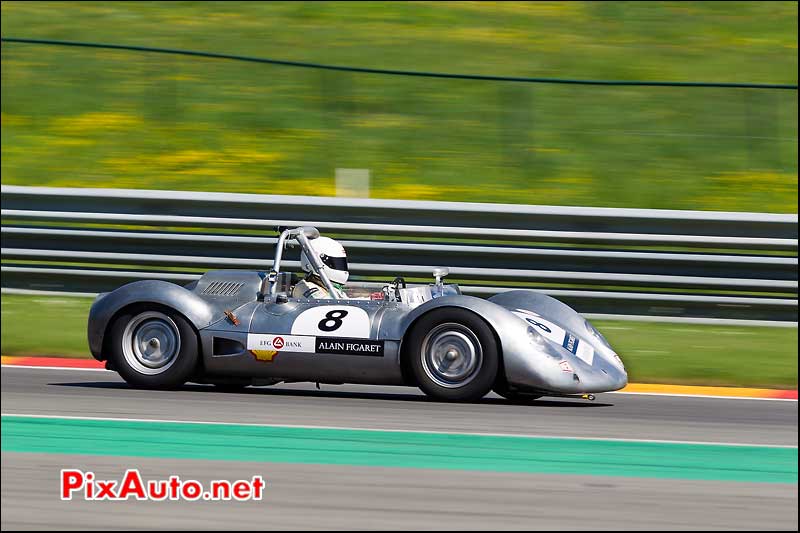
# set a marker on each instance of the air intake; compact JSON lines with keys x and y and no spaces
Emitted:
{"x":223,"y":288}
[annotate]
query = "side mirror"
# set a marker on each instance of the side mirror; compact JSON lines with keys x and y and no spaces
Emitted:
{"x":310,"y":232}
{"x":439,"y":273}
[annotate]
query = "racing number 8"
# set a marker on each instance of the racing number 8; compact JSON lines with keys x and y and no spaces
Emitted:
{"x":335,"y":317}
{"x":532,"y":321}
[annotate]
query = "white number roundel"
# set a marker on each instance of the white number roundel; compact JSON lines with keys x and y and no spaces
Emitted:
{"x":558,"y":335}
{"x":333,"y":321}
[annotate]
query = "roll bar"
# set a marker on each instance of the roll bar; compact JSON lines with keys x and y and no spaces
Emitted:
{"x":303,"y":235}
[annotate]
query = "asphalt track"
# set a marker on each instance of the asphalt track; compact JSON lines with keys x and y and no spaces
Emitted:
{"x":305,"y":496}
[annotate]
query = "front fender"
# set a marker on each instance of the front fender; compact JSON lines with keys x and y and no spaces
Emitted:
{"x":494,"y":314}
{"x":600,"y":371}
{"x":543,"y":304}
{"x":528,"y":364}
{"x":511,"y":332}
{"x":194,"y":308}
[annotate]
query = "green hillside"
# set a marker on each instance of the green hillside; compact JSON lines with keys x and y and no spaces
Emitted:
{"x":99,"y":118}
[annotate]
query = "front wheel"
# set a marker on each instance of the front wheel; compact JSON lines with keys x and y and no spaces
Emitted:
{"x":153,"y":348}
{"x":453,"y":355}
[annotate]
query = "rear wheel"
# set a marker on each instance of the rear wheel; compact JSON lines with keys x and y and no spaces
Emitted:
{"x":453,"y":355}
{"x":153,"y":347}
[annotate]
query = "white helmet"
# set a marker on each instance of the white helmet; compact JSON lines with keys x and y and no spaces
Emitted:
{"x":333,"y":257}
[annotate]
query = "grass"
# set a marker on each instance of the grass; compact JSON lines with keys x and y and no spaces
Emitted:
{"x":44,"y":325}
{"x":652,"y":352}
{"x":693,"y":354}
{"x":79,"y":117}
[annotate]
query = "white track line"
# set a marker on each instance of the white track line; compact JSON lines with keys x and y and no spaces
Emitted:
{"x":349,"y":428}
{"x":676,"y":395}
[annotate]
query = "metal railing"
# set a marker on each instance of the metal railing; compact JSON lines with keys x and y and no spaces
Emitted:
{"x":598,"y":260}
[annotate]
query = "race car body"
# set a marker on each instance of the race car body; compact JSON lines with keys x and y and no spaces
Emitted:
{"x":239,"y":327}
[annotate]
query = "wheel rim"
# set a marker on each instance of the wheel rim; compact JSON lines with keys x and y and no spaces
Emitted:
{"x":451,"y":355}
{"x":151,"y":343}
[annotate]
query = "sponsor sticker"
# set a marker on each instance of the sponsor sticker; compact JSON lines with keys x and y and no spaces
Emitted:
{"x":339,"y":346}
{"x":266,"y":347}
{"x":264,"y":355}
{"x":571,"y":342}
{"x":565,"y":366}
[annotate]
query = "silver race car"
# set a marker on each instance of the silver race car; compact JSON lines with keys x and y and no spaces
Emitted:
{"x":236,"y":328}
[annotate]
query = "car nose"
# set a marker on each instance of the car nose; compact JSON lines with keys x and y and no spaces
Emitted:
{"x":618,"y":377}
{"x":608,"y":377}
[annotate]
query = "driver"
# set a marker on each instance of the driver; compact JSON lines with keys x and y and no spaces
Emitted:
{"x":334,"y":259}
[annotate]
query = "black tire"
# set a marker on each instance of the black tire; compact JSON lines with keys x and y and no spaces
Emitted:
{"x":169,"y":367}
{"x":445,"y":335}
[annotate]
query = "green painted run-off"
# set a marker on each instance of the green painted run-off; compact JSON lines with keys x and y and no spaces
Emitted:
{"x":231,"y":442}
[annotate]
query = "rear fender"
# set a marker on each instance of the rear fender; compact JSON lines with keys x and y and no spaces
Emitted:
{"x":107,"y":305}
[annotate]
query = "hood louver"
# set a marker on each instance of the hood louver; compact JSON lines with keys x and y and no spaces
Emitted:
{"x":222,"y":288}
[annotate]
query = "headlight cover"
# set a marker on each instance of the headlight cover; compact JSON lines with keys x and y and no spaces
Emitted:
{"x":542,"y":344}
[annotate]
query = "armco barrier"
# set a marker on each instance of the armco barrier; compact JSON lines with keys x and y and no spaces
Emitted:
{"x":599,"y":260}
